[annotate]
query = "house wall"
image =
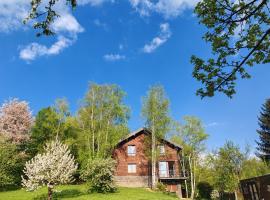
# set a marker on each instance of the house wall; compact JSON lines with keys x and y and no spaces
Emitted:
{"x":142,"y":176}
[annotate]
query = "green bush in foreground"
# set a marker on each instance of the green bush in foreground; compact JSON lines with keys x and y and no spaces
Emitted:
{"x":11,"y":165}
{"x":98,"y":174}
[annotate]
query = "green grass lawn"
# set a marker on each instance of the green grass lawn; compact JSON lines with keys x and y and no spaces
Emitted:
{"x":80,"y":192}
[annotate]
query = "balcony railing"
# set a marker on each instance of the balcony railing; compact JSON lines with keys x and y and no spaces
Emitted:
{"x":163,"y":174}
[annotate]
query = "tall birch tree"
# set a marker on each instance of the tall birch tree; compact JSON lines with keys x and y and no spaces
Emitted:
{"x":102,"y":118}
{"x":191,"y":135}
{"x":155,"y":111}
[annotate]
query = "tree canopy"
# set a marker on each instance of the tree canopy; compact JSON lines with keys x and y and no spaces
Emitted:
{"x":264,"y":133}
{"x":238,"y":32}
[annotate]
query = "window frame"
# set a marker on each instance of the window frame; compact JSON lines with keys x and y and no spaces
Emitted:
{"x":162,"y":146}
{"x":134,"y":171}
{"x":132,"y":153}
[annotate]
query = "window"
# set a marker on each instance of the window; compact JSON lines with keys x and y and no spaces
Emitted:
{"x":131,"y":150}
{"x":131,"y":168}
{"x":161,"y":149}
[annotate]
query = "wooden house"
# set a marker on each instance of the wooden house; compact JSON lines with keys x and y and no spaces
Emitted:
{"x":134,"y":167}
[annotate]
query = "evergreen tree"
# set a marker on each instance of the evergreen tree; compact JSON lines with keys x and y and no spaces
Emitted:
{"x":264,"y":133}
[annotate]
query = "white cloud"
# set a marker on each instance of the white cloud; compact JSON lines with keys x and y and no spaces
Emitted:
{"x":67,"y":23}
{"x":34,"y":50}
{"x":164,"y":35}
{"x":93,"y":2}
{"x":12,"y":13}
{"x":114,"y":57}
{"x":98,"y":23}
{"x":66,"y":27}
{"x":167,"y":8}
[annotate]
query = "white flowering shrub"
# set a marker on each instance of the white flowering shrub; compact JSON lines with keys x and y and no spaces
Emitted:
{"x":214,"y":195}
{"x":55,"y":166}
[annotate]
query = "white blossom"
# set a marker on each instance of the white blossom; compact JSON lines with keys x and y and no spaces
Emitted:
{"x":55,"y":166}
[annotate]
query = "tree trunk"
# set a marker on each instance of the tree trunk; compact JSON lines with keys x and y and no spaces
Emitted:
{"x":191,"y":178}
{"x":235,"y":195}
{"x":49,"y":192}
{"x":92,"y":124}
{"x":153,"y":159}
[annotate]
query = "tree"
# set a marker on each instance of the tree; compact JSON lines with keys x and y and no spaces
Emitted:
{"x":15,"y":120}
{"x":11,"y":164}
{"x":155,"y":112}
{"x":238,"y":32}
{"x":191,"y":136}
{"x":227,"y":164}
{"x":264,"y":132}
{"x":53,"y":122}
{"x":102,"y":120}
{"x":55,"y":166}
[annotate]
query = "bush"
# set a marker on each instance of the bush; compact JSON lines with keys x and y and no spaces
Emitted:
{"x":161,"y":187}
{"x":204,"y":190}
{"x":11,"y":165}
{"x":214,"y":195}
{"x":98,"y":174}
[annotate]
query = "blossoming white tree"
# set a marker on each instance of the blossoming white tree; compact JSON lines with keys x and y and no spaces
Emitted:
{"x":55,"y":166}
{"x":15,"y":120}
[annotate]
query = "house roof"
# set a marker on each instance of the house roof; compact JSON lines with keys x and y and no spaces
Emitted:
{"x":145,"y":130}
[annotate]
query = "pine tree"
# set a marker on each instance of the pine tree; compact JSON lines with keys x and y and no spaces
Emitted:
{"x":264,"y":133}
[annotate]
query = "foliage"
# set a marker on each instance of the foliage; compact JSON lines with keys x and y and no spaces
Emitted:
{"x":46,"y":15}
{"x":55,"y":166}
{"x":79,"y":192}
{"x":11,"y":164}
{"x":192,"y":137}
{"x":253,"y":167}
{"x":204,"y":190}
{"x":102,"y":120}
{"x":228,"y":163}
{"x":214,"y":195}
{"x":155,"y":111}
{"x":238,"y":32}
{"x":15,"y":120}
{"x":264,"y":132}
{"x":99,"y":175}
{"x":53,"y":122}
{"x":161,"y":187}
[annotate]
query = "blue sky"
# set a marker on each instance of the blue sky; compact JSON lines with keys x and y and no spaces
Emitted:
{"x":134,"y":44}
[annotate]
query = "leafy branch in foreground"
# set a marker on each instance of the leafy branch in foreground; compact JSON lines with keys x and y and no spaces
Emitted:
{"x":238,"y":32}
{"x":45,"y":16}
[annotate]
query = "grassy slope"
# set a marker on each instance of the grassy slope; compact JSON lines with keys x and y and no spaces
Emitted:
{"x":79,"y":192}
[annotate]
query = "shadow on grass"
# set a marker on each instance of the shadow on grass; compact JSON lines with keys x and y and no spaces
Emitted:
{"x":69,"y":193}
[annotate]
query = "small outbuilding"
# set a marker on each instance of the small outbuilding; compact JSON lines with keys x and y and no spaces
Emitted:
{"x":256,"y":188}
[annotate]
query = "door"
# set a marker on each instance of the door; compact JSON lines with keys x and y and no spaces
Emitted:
{"x":163,"y":169}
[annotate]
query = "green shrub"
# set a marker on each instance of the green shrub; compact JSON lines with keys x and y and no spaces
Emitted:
{"x":11,"y":165}
{"x":161,"y":187}
{"x":204,"y":190}
{"x":98,"y":174}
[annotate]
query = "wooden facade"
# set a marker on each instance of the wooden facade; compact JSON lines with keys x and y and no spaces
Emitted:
{"x":257,"y":188}
{"x":134,"y":164}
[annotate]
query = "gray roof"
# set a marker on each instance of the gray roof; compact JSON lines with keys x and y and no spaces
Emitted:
{"x":145,"y":130}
